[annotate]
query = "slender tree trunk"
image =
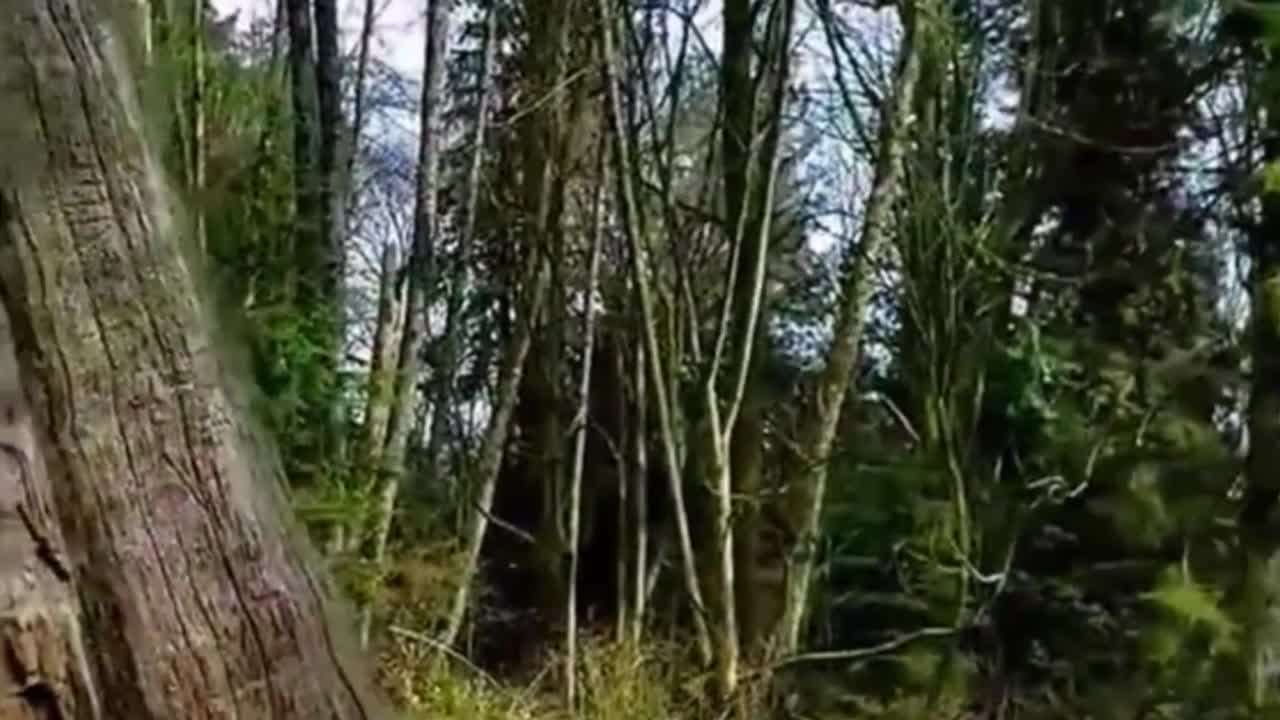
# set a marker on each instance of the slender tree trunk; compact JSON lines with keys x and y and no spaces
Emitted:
{"x":332,"y":225}
{"x":746,"y":163}
{"x":625,"y":434}
{"x":817,"y":435}
{"x":641,"y":269}
{"x":389,"y":329}
{"x":460,"y":277}
{"x":748,"y":189}
{"x":489,"y":462}
{"x":156,"y":513}
{"x":542,"y":411}
{"x":738,"y":100}
{"x":580,"y":442}
{"x":325,"y":411}
{"x":383,"y":361}
{"x":404,"y":405}
{"x":306,"y":124}
{"x":640,"y":502}
{"x":542,"y":189}
{"x":146,"y":32}
{"x":316,"y":283}
{"x":348,"y":176}
{"x":421,"y":279}
{"x":737,"y":339}
{"x":361,"y":80}
{"x":199,"y":146}
{"x":387,"y":337}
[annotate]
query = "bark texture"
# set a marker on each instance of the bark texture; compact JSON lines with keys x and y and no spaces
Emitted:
{"x":193,"y":599}
{"x":44,"y":673}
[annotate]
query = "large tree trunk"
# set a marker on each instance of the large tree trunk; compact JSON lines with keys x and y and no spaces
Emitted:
{"x":193,"y":600}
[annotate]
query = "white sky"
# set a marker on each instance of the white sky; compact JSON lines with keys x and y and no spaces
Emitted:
{"x":399,"y":34}
{"x":398,"y":28}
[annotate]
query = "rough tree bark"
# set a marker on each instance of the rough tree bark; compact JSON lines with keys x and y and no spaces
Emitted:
{"x":193,"y":598}
{"x":46,"y":669}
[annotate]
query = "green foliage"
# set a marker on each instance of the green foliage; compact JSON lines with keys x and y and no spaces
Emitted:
{"x":1190,"y":606}
{"x":1029,"y":384}
{"x":1271,"y":177}
{"x":249,"y":210}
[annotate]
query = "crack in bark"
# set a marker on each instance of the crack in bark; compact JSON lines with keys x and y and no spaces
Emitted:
{"x":97,"y":180}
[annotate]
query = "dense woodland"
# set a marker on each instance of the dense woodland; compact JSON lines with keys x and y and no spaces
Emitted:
{"x":674,"y":359}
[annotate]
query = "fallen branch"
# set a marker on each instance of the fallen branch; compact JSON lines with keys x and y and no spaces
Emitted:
{"x":866,"y":652}
{"x":503,"y":524}
{"x":427,"y":639}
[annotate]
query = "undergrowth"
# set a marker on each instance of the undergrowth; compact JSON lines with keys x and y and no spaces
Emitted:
{"x":617,"y":681}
